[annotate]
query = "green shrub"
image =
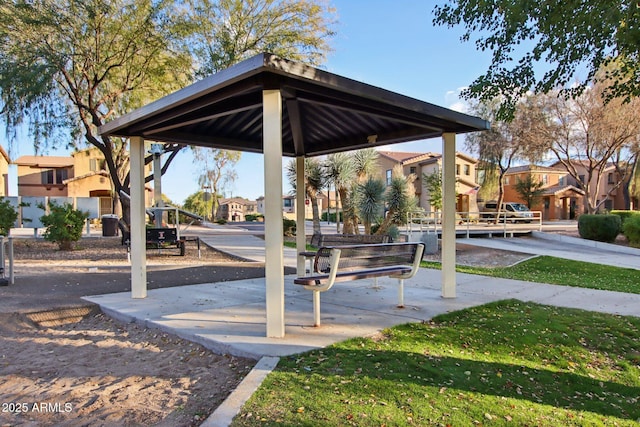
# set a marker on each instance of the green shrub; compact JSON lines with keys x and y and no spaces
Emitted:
{"x":221,"y":221}
{"x":602,"y":228}
{"x":624,"y":215}
{"x":253,"y":217}
{"x":288,"y":227}
{"x":8,"y":216}
{"x":64,"y":225}
{"x":631,"y":230}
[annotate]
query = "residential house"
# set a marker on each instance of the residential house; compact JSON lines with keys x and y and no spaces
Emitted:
{"x":83,"y":174}
{"x":236,"y":209}
{"x":4,"y":172}
{"x":289,"y":206}
{"x":606,"y":190}
{"x":430,"y":163}
{"x":560,"y":199}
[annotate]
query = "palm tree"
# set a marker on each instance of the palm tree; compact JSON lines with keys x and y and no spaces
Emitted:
{"x":314,"y":182}
{"x":340,"y":170}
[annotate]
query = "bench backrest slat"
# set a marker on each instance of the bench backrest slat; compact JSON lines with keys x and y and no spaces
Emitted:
{"x":365,"y":256}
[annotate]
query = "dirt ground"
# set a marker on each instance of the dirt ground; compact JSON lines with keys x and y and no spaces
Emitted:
{"x":63,"y":362}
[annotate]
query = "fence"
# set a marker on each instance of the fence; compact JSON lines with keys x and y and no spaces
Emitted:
{"x":470,"y":222}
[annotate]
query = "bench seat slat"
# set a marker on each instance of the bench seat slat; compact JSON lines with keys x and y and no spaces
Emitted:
{"x":343,"y":276}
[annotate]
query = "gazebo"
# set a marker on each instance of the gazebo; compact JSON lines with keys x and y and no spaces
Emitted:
{"x":277,"y":107}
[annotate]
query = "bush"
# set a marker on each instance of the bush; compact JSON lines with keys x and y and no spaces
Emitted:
{"x":64,"y":225}
{"x":631,"y":230}
{"x":601,"y":228}
{"x":289,"y":227}
{"x":253,"y":217}
{"x":624,"y":215}
{"x":8,"y":216}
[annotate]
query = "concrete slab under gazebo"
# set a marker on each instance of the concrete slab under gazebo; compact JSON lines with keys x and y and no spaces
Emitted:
{"x":277,"y":107}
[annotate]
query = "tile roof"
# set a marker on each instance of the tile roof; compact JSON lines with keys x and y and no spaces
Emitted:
{"x":45,"y":161}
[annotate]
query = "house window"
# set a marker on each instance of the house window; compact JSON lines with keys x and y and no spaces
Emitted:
{"x":545,"y":179}
{"x":457,"y":169}
{"x":610,"y":179}
{"x":581,"y":178}
{"x":388,"y":176}
{"x":412,"y":169}
{"x":61,"y":175}
{"x":561,"y":181}
{"x":288,"y":203}
{"x":467,"y":170}
{"x":506,"y":180}
{"x":47,"y":176}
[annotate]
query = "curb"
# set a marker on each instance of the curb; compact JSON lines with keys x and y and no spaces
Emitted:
{"x":224,"y":414}
{"x":584,"y":242}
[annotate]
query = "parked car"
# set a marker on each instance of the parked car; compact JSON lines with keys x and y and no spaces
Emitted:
{"x":509,"y":209}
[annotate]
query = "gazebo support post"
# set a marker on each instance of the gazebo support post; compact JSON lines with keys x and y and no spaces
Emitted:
{"x":301,"y":240}
{"x":273,"y":238}
{"x":449,"y":215}
{"x":137,"y":226}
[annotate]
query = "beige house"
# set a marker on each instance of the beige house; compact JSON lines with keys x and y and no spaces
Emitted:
{"x":236,"y":209}
{"x":289,"y":207}
{"x":605,"y":191}
{"x":83,"y":174}
{"x":560,"y":199}
{"x":430,"y":163}
{"x":4,"y":172}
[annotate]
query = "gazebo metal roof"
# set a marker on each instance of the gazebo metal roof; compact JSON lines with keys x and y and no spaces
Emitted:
{"x":322,"y":112}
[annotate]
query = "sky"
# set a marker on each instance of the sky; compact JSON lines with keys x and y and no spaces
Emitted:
{"x":392,"y":44}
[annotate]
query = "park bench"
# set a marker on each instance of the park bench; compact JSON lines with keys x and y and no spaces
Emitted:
{"x":318,"y":240}
{"x":354,"y":262}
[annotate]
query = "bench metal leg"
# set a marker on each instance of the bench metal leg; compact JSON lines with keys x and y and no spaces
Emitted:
{"x":316,"y":308}
{"x":400,"y":293}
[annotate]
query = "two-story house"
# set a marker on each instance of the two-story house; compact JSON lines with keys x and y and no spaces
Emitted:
{"x":605,"y":191}
{"x":431,"y":163}
{"x":560,"y":199}
{"x":236,"y":209}
{"x":83,"y":174}
{"x":4,"y":172}
{"x":289,"y":206}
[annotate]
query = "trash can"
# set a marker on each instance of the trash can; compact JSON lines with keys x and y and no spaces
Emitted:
{"x":109,"y":225}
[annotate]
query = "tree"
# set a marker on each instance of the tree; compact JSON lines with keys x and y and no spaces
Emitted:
{"x":433,"y":184}
{"x":365,"y":163}
{"x":400,"y":198}
{"x":589,"y":135}
{"x":314,"y":182}
{"x":228,"y":31}
{"x":566,"y":37}
{"x":530,"y":190}
{"x":215,"y":166}
{"x":200,"y":203}
{"x":68,"y":67}
{"x":506,"y":142}
{"x":370,"y":201}
{"x":341,"y":172}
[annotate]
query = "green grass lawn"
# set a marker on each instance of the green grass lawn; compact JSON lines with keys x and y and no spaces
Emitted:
{"x":504,"y":363}
{"x":546,"y":269}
